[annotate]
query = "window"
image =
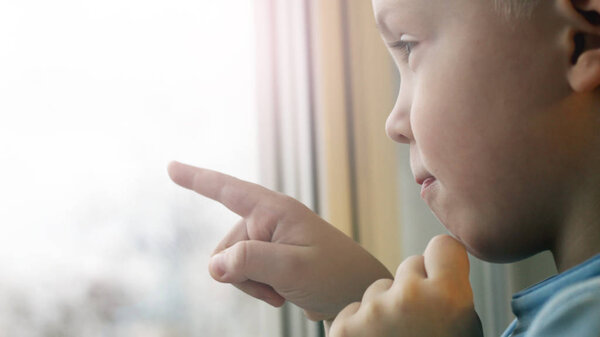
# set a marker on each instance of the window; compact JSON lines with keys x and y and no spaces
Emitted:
{"x":95,"y":99}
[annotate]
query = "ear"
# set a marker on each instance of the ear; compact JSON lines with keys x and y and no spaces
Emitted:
{"x":584,"y":19}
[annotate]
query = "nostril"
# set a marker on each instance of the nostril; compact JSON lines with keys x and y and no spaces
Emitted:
{"x":397,"y":126}
{"x":397,"y":137}
{"x":402,"y":139}
{"x":395,"y":133}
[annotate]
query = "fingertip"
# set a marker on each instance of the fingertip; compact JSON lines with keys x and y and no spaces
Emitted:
{"x":172,"y":164}
{"x":172,"y":169}
{"x":445,"y":241}
{"x":180,"y":173}
{"x":446,"y":257}
{"x":441,"y":238}
{"x":216,"y":267}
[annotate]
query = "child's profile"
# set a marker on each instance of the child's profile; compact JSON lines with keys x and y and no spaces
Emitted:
{"x":499,"y":105}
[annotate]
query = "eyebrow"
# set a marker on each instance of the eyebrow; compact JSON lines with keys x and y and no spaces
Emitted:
{"x":380,"y":27}
{"x":380,"y":20}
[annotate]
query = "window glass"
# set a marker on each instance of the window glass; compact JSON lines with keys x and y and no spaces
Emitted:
{"x":96,"y":97}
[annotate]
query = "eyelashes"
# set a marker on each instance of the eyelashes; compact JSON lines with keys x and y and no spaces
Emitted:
{"x":404,"y":47}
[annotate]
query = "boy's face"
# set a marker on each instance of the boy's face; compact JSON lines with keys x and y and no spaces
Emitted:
{"x":481,"y":105}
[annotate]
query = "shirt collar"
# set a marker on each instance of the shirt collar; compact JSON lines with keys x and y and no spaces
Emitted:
{"x":527,"y":303}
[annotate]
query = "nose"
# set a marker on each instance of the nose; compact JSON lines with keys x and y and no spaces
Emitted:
{"x":397,"y":126}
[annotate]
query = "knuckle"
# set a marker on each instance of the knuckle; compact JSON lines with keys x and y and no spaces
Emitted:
{"x":384,"y":282}
{"x":377,"y":289}
{"x":340,"y":328}
{"x":294,"y":208}
{"x":269,"y":210}
{"x":372,"y":311}
{"x":412,"y":259}
{"x":262,"y":223}
{"x":263,"y":211}
{"x":341,"y":325}
{"x":406,"y":295}
{"x":417,"y":259}
{"x":238,"y":259}
{"x":378,"y":284}
{"x":410,"y":265}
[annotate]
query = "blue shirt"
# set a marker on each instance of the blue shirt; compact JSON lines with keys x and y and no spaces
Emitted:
{"x":567,"y":304}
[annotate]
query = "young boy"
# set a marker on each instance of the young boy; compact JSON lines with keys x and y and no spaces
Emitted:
{"x":502,"y":116}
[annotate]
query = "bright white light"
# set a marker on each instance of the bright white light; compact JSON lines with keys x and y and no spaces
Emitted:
{"x":96,"y":97}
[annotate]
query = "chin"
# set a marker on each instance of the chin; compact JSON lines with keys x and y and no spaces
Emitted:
{"x":494,"y":248}
{"x":489,"y":233}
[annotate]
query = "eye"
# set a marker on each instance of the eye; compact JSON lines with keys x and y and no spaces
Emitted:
{"x":404,"y":47}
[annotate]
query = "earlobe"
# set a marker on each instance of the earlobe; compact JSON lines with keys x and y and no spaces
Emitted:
{"x":584,"y":75}
{"x":584,"y":16}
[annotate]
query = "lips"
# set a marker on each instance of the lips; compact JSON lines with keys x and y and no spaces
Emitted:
{"x":425,"y":180}
{"x":422,"y":175}
{"x":422,"y":178}
{"x":428,"y":181}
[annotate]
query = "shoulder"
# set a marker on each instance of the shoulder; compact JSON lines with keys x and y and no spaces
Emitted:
{"x":573,"y":311}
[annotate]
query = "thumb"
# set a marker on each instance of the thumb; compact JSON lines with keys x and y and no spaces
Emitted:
{"x":270,"y":263}
{"x":446,"y":259}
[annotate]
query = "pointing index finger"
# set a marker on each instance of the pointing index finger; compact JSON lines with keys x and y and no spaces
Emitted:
{"x":239,"y":196}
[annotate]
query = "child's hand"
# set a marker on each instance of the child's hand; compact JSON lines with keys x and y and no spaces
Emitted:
{"x":431,"y":296}
{"x":280,"y":250}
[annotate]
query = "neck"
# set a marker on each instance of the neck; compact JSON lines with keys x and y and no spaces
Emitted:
{"x":578,"y":238}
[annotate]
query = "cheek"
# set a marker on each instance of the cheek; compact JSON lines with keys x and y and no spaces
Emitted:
{"x":470,"y":113}
{"x":444,"y":122}
{"x":470,"y":145}
{"x":479,"y":117}
{"x":487,"y":154}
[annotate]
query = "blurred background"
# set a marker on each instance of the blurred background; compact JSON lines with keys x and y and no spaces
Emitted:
{"x":96,"y":97}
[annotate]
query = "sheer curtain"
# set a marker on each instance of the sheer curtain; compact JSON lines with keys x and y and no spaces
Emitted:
{"x":320,"y":71}
{"x":286,"y":107}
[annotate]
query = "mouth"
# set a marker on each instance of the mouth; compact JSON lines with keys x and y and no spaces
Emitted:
{"x":428,"y":181}
{"x":425,"y":180}
{"x":422,"y":179}
{"x":425,"y":187}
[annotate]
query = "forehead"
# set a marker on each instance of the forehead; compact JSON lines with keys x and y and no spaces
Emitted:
{"x":407,"y":12}
{"x":383,"y":7}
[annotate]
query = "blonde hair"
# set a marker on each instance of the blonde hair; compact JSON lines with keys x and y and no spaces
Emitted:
{"x":516,"y":8}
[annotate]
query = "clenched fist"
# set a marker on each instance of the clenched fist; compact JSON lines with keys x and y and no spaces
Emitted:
{"x":430,"y":297}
